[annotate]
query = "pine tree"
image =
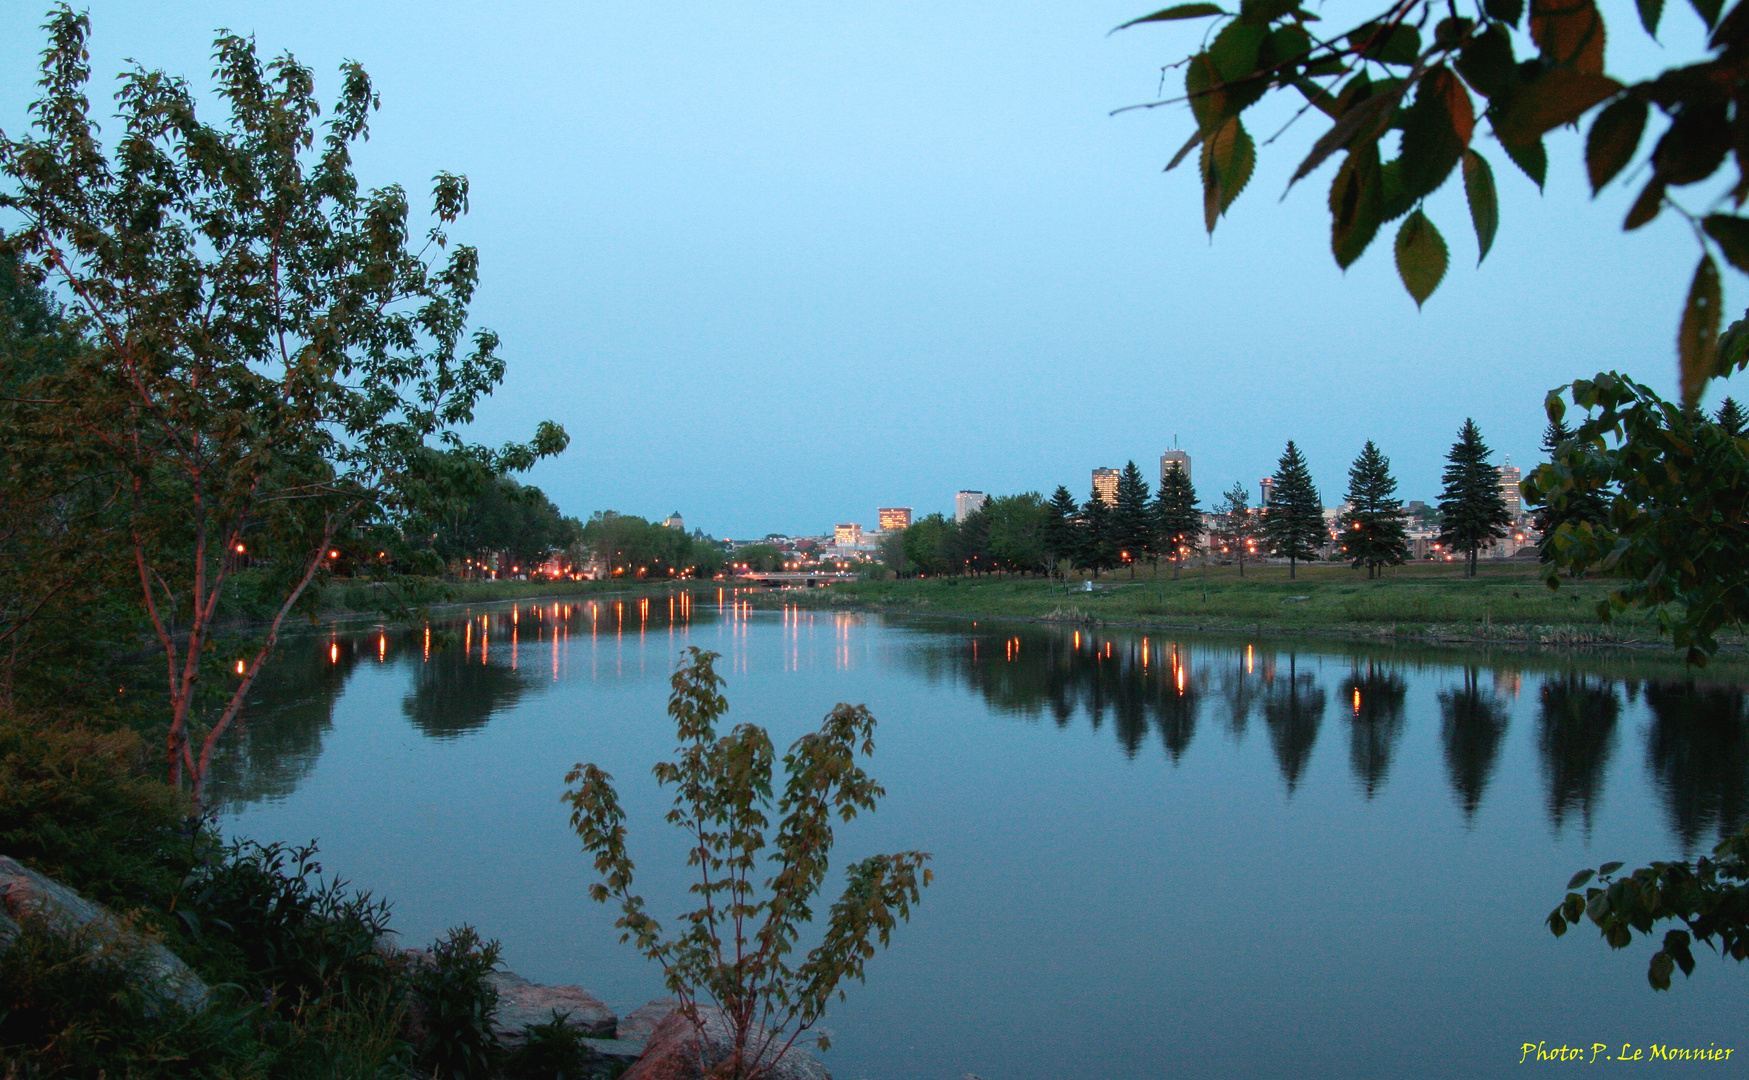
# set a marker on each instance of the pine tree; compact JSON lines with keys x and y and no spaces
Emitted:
{"x":1238,"y":524}
{"x":1132,"y":524}
{"x":1732,"y":418}
{"x":1095,"y":551}
{"x":1472,"y":511}
{"x":1060,"y":528}
{"x":1294,"y":523}
{"x":1374,"y":532}
{"x":1176,"y":518}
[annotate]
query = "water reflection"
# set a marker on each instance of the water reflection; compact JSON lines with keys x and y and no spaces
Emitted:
{"x":1376,"y":699}
{"x":454,"y":694}
{"x":1293,"y":710}
{"x":1576,"y":736}
{"x":1698,"y":754}
{"x":1472,"y":727}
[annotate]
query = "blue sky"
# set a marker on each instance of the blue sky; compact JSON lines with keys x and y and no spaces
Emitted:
{"x":774,"y":265}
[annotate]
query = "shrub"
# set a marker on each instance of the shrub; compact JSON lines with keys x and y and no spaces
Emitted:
{"x":456,"y":1004}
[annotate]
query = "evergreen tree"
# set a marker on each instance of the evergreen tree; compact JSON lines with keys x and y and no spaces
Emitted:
{"x":1176,"y":517}
{"x":1577,"y":507}
{"x":1732,"y":418}
{"x":1238,"y":524}
{"x":1132,"y":523}
{"x":1061,"y":532}
{"x":1096,"y":552}
{"x":1472,"y":511}
{"x":1373,"y":529}
{"x":1293,"y":525}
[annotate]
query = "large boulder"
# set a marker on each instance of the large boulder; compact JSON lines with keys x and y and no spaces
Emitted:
{"x":643,"y":1020}
{"x":679,"y":1047}
{"x":26,"y":895}
{"x":521,"y":1003}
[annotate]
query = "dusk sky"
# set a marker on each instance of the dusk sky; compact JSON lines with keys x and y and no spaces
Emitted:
{"x":774,"y":265}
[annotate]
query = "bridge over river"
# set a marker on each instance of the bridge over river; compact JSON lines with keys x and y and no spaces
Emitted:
{"x":793,"y":577}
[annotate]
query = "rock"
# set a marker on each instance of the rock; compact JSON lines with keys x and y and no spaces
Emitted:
{"x":26,"y":894}
{"x":521,"y":1003}
{"x":641,"y":1021}
{"x":674,"y":1051}
{"x":624,"y":1051}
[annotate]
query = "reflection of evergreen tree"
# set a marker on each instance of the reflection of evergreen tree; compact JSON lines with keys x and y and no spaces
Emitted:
{"x":1175,"y":713}
{"x":1293,"y":709}
{"x":453,"y":694}
{"x":1576,"y":738}
{"x":1698,"y":752}
{"x":1240,"y":693}
{"x":1376,"y":726}
{"x":1473,"y":725}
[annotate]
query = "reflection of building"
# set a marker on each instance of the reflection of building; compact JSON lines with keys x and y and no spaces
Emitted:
{"x":1175,"y":458}
{"x":1105,"y":485}
{"x":1509,"y":479}
{"x":966,"y":503}
{"x":1268,"y":486}
{"x":847,"y":535}
{"x":894,"y":517}
{"x":674,"y":521}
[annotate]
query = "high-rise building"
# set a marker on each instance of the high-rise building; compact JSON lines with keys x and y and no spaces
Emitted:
{"x":1172,"y":458}
{"x":894,"y":518}
{"x":1267,"y":484}
{"x":1105,"y":485}
{"x":847,"y":535}
{"x":966,"y":503}
{"x":1510,"y":476}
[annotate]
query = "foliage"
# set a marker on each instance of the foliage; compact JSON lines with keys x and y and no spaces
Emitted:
{"x":1731,"y":417}
{"x":504,"y":518}
{"x":1176,"y":516}
{"x":456,"y":1004}
{"x":1293,"y":522}
{"x":1472,"y":512}
{"x":625,"y":545}
{"x":555,"y":1051}
{"x":1018,"y":538}
{"x":1676,"y":532}
{"x":736,"y":947}
{"x":1236,"y":530}
{"x":1413,"y":68}
{"x":1060,"y":533}
{"x":273,"y":365}
{"x":1132,"y":519}
{"x":1590,"y":505}
{"x":1710,"y":897}
{"x":1373,"y":529}
{"x":1097,"y":548}
{"x":926,"y":546}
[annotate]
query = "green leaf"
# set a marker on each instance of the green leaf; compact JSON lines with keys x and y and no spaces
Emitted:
{"x":1235,"y":50}
{"x":1190,"y":144}
{"x":1177,"y":11}
{"x":1421,"y":256}
{"x":1573,"y":907}
{"x":1399,"y":44}
{"x":1698,"y":338}
{"x":1732,"y":234}
{"x":1362,"y":122}
{"x":1615,"y":135}
{"x":1557,"y":96}
{"x":1484,"y":213}
{"x":1733,"y":351}
{"x":1676,"y":944}
{"x":1208,"y":100}
{"x":1658,"y":974}
{"x":1609,"y":868}
{"x":1530,"y":157}
{"x":1650,"y":12}
{"x":1507,"y":11}
{"x":1708,"y":10}
{"x":1264,"y":12}
{"x":1228,"y":157}
{"x":1579,"y":879}
{"x":1397,"y":202}
{"x":1557,"y":925}
{"x":1487,"y":63}
{"x":1646,"y":207}
{"x":1570,"y":34}
{"x":1288,"y":43}
{"x":1451,"y":30}
{"x":1356,"y":198}
{"x":1436,"y":128}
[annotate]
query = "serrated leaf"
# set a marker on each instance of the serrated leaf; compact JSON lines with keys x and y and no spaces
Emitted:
{"x":1393,"y":44}
{"x":1228,"y":157}
{"x":1177,"y":11}
{"x":1557,"y":96}
{"x":1507,"y":11}
{"x":1436,"y":128}
{"x":1570,"y":34}
{"x":1529,"y":157}
{"x":1650,"y":12}
{"x":1646,"y":207}
{"x":1190,"y":144}
{"x":1732,"y":234}
{"x":1356,"y":197}
{"x":1487,"y":63}
{"x":1698,"y":337}
{"x":1421,"y":256}
{"x":1364,"y":121}
{"x":1234,"y":51}
{"x":1484,"y":214}
{"x":1614,"y":137}
{"x":1579,"y":879}
{"x":1208,"y":99}
{"x":1733,"y":349}
{"x":1264,"y":12}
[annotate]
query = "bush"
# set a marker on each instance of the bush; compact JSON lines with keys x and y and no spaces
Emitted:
{"x":557,"y":1051}
{"x":456,"y":1005}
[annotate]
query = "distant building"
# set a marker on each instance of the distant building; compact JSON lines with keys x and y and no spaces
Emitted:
{"x":894,"y":518}
{"x":1267,"y":484}
{"x":1510,"y":476}
{"x":674,"y":521}
{"x":1175,"y":458}
{"x":1105,"y":485}
{"x":847,"y":535}
{"x":966,"y":503}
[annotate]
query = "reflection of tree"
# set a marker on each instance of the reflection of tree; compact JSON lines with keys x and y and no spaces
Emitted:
{"x":1293,"y":709}
{"x":1698,"y":752}
{"x":1175,"y":710}
{"x":1576,"y":737}
{"x":1473,"y":725}
{"x":1240,"y":693}
{"x":1376,"y":699}
{"x":453,"y":694}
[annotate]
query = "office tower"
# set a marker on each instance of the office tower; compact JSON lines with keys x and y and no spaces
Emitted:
{"x":894,"y":518}
{"x":1268,"y":486}
{"x":1178,"y":458}
{"x":1510,"y":476}
{"x":847,"y":535}
{"x":1105,"y":485}
{"x":965,"y":503}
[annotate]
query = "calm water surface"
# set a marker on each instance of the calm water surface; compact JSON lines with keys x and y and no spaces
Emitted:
{"x":1156,"y":855}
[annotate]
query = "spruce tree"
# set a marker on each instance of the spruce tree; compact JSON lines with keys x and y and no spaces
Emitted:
{"x":1095,"y":550}
{"x":1373,"y":528}
{"x":1238,"y":524}
{"x":1176,"y":518}
{"x":1060,"y":528}
{"x":1293,"y":524}
{"x":1132,"y":523}
{"x":1731,"y":418}
{"x":1472,"y":511}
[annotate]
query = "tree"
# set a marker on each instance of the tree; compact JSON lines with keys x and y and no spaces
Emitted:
{"x":1580,"y":506}
{"x":1373,"y":528}
{"x":273,"y":367}
{"x":928,"y":545}
{"x":1061,"y":531}
{"x":1176,"y":517}
{"x":1381,"y":75}
{"x":1132,"y":523}
{"x":1471,"y":509}
{"x":735,"y":949}
{"x":1293,"y":523}
{"x":1017,"y":530}
{"x":1238,"y":523}
{"x":1098,"y":548}
{"x":1731,"y":418}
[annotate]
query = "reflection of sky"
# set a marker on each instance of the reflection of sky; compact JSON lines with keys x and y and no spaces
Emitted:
{"x":1143,"y":892}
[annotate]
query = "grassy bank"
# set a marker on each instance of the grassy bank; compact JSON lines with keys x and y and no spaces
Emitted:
{"x":1506,"y":603}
